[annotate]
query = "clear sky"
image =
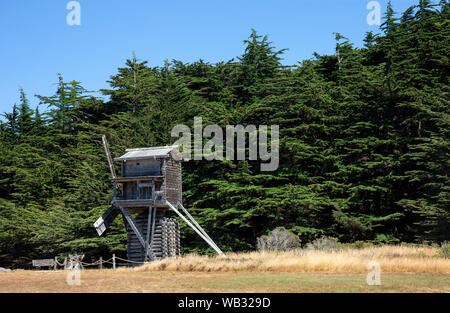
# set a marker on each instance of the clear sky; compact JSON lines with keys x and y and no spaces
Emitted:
{"x":36,"y":42}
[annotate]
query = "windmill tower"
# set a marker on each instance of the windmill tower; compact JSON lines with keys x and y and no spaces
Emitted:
{"x":150,"y":187}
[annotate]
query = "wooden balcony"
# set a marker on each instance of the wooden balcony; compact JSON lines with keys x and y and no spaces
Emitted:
{"x":138,"y":203}
{"x":135,"y":179}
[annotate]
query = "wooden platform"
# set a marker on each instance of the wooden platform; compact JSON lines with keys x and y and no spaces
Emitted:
{"x":140,"y":178}
{"x":136,"y":204}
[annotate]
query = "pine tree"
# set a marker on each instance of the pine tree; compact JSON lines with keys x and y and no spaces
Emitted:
{"x":25,"y":117}
{"x":133,"y":87}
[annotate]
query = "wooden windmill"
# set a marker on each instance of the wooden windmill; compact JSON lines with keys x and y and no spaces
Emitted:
{"x":150,"y":186}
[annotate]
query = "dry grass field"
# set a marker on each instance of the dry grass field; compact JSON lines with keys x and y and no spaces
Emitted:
{"x":403,"y":269}
{"x":392,"y":259}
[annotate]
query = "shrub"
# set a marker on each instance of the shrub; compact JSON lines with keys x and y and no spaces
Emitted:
{"x":445,"y":250}
{"x":279,"y":239}
{"x":324,"y":243}
{"x":385,"y":239}
{"x":359,"y":244}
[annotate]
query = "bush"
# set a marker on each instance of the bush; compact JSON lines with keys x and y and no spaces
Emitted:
{"x":385,"y":239}
{"x":324,"y":243}
{"x":444,"y":251}
{"x":362,"y":244}
{"x":279,"y":239}
{"x":357,"y":245}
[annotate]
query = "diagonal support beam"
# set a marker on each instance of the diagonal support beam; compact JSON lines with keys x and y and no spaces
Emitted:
{"x":136,"y":230}
{"x":207,"y":239}
{"x":149,"y":229}
{"x":198,"y":226}
{"x":153,"y":228}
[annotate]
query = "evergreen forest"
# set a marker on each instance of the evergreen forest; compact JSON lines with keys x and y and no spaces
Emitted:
{"x":364,"y":145}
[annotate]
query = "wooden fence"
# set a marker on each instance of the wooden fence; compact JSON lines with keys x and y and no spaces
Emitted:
{"x":114,"y":261}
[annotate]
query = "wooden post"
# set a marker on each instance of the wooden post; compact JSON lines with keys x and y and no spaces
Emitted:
{"x":153,"y":191}
{"x":101,"y":263}
{"x":147,"y":239}
{"x":138,"y":190}
{"x":153,"y":228}
{"x":114,"y":261}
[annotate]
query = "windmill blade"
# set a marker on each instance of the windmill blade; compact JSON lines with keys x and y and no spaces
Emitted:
{"x":105,"y":220}
{"x":108,"y":155}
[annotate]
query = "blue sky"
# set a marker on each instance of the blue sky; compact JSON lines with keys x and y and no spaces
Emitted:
{"x":36,"y":43}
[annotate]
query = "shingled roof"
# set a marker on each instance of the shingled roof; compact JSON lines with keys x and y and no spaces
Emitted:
{"x":150,"y":153}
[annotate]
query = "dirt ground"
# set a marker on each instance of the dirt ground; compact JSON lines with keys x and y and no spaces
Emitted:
{"x":127,"y":280}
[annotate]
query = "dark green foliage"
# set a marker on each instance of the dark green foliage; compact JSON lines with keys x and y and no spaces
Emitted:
{"x":364,"y":145}
{"x":445,"y":250}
